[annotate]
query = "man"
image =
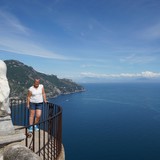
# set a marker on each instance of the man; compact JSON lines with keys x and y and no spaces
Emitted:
{"x":35,"y":98}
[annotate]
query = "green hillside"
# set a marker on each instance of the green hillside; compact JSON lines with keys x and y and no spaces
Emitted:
{"x":21,"y":77}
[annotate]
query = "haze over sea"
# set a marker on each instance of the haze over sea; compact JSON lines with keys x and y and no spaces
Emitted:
{"x":114,"y":121}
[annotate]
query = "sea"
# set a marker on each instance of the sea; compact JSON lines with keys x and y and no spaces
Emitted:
{"x":112,"y":121}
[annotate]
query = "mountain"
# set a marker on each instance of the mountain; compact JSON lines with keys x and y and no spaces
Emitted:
{"x":21,"y":77}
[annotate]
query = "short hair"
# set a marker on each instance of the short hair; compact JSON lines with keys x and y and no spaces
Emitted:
{"x":36,"y":79}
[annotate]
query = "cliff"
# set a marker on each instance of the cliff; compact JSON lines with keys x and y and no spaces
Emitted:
{"x":21,"y":77}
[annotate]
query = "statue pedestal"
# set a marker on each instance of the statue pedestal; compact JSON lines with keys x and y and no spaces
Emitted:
{"x":16,"y":137}
{"x":7,"y":132}
{"x":6,"y":126}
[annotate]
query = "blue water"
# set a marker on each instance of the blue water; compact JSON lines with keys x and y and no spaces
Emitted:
{"x":112,"y":122}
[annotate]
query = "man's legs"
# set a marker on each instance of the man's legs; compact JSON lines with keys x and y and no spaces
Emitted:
{"x":31,"y":119}
{"x":38,"y":115}
{"x":35,"y":115}
{"x":31,"y":116}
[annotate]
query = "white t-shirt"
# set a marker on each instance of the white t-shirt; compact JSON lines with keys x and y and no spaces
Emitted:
{"x":36,"y":96}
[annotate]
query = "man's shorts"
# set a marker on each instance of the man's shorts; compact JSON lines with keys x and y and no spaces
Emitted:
{"x":34,"y":106}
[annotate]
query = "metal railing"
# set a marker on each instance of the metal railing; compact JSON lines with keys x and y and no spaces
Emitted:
{"x":47,"y":142}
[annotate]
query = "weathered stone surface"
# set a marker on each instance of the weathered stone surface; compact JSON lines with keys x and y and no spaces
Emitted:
{"x":62,"y":154}
{"x":7,"y":139}
{"x":6,"y":126}
{"x":18,"y":152}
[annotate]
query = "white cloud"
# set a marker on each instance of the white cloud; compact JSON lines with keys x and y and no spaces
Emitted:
{"x":93,"y":66}
{"x":11,"y":24}
{"x":146,"y":74}
{"x":135,"y":58}
{"x":149,"y":74}
{"x":150,"y":33}
{"x":27,"y":47}
{"x":14,"y":38}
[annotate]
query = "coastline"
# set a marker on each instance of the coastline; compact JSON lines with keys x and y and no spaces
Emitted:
{"x":66,"y":93}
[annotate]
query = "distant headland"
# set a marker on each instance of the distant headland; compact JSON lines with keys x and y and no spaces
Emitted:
{"x":21,"y":76}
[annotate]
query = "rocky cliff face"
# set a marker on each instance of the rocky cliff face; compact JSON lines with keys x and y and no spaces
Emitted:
{"x":21,"y":77}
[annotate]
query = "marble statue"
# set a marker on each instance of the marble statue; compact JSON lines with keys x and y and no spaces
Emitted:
{"x":8,"y":134}
{"x":4,"y":91}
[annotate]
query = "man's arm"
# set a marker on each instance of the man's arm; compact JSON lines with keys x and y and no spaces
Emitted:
{"x":44,"y":95}
{"x":28,"y":98}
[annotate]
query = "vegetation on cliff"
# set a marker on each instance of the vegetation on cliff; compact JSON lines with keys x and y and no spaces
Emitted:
{"x":21,"y":77}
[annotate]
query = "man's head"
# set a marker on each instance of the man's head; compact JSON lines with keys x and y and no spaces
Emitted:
{"x":36,"y":83}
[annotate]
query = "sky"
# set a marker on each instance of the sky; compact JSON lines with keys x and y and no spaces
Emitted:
{"x":83,"y":40}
